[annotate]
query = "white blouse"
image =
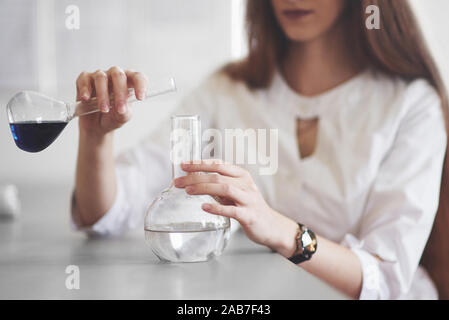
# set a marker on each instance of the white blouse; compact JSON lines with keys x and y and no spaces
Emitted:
{"x":372,"y":183}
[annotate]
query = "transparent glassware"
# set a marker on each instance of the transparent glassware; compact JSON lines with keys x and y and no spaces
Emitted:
{"x":176,"y":227}
{"x":36,"y":120}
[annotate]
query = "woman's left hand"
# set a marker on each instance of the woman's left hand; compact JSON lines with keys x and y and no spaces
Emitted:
{"x":239,"y":198}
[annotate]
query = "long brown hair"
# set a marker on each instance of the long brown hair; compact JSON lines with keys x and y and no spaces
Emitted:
{"x":397,"y":48}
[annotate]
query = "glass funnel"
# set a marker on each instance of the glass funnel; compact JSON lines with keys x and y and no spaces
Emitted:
{"x":36,"y":120}
{"x":176,"y":227}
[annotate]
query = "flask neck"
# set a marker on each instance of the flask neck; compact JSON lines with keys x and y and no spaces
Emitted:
{"x":185,"y":141}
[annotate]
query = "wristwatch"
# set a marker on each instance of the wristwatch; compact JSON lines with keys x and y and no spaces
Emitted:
{"x":306,"y":245}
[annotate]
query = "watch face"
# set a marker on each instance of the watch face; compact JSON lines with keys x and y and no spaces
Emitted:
{"x":309,"y":241}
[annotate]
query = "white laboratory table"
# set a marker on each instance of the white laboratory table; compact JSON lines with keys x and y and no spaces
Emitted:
{"x":36,"y":248}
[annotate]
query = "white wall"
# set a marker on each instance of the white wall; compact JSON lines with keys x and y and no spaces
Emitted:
{"x":186,"y":39}
{"x":433,"y":18}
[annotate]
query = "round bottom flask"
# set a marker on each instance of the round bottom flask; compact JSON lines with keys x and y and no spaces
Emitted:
{"x":176,"y":227}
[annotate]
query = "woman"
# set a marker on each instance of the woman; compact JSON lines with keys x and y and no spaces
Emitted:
{"x":364,"y":107}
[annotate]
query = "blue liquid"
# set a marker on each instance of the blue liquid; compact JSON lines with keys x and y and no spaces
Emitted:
{"x":36,"y":136}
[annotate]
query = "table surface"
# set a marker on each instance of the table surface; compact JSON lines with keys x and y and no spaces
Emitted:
{"x":36,"y":248}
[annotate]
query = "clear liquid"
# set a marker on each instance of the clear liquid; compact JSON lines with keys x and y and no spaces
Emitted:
{"x":187,"y":242}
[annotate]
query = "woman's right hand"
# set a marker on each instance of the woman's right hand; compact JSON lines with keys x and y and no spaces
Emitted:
{"x":100,"y":84}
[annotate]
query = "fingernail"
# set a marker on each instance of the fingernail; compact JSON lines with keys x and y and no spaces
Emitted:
{"x":142,"y":95}
{"x":104,"y":108}
{"x":207,"y":206}
{"x":121,"y":109}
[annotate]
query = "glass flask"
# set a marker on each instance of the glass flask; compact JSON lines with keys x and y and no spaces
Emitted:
{"x":176,"y":227}
{"x":36,"y":120}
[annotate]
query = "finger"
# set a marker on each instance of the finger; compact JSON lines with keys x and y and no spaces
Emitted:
{"x":191,"y":179}
{"x":225,"y":169}
{"x":210,"y":161}
{"x":122,"y":118}
{"x":221,"y":190}
{"x":222,"y":210}
{"x":120,"y":89}
{"x":139,"y":82}
{"x":83,"y":87}
{"x":100,"y":80}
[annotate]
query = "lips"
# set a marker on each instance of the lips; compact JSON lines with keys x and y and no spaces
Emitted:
{"x":297,"y":13}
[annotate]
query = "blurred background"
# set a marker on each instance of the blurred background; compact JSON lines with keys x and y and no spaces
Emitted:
{"x":184,"y":39}
{"x":179,"y":38}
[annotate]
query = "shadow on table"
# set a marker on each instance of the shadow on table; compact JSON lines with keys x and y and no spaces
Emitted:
{"x":250,"y":251}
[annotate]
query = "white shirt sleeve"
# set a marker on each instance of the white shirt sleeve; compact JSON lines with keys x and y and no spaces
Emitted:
{"x":142,"y":172}
{"x":403,"y":201}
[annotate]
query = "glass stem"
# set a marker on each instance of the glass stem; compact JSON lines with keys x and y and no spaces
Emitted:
{"x":185,"y":141}
{"x":155,"y":88}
